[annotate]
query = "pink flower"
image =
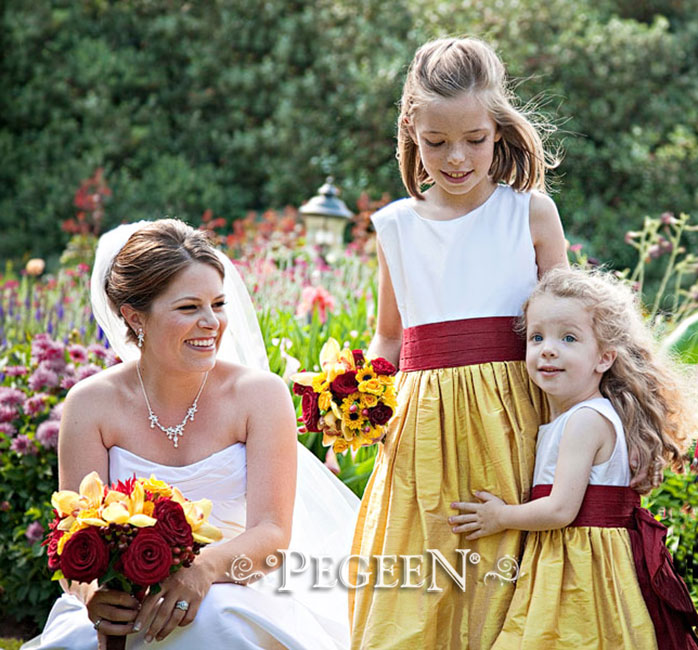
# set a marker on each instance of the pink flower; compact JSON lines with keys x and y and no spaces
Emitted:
{"x":576,"y":248}
{"x":8,"y":429}
{"x":315,"y":298}
{"x":42,"y":377}
{"x":68,"y":381}
{"x":34,"y":533}
{"x":56,"y":412}
{"x":7,"y":413}
{"x":47,"y":433}
{"x":98,"y":350}
{"x":45,"y":349}
{"x":10,"y":396}
{"x":15,"y":371}
{"x":23,"y":446}
{"x":35,"y":404}
{"x":77,"y":353}
{"x":87,"y":371}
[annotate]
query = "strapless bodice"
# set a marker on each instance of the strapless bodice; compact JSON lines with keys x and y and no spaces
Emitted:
{"x":220,"y":477}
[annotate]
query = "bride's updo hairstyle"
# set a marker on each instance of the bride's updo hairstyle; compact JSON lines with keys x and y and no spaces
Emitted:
{"x":150,"y":259}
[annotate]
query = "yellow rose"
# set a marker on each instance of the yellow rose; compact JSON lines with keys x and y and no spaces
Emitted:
{"x":371,"y":386}
{"x":367,"y":400}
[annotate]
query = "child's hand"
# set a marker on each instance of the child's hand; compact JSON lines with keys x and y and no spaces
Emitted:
{"x":482,"y":518}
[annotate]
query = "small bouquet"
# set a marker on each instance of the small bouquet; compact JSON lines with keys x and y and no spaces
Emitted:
{"x":350,"y":401}
{"x":129,"y":537}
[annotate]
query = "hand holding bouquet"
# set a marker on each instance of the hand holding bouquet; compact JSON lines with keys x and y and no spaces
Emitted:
{"x":128,"y":537}
{"x":350,"y":401}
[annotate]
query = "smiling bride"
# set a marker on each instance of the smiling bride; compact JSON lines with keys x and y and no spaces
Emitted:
{"x":194,"y":403}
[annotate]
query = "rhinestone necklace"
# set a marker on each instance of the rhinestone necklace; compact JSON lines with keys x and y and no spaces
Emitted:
{"x":176,"y":432}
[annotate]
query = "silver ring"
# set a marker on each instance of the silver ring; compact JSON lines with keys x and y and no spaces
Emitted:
{"x":182,"y":604}
{"x":97,"y":623}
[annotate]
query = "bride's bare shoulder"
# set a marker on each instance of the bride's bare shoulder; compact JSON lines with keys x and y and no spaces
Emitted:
{"x":103,"y":387}
{"x":250,"y":382}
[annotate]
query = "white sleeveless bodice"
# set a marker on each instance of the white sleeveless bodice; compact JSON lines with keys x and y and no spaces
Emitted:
{"x":220,"y":477}
{"x":615,"y":471}
{"x":479,"y":265}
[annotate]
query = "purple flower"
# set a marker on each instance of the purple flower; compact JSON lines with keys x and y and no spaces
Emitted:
{"x":7,"y":413}
{"x":42,"y":377}
{"x":77,"y":353}
{"x":47,"y":433}
{"x":35,"y":532}
{"x":8,"y":429}
{"x":23,"y":446}
{"x":10,"y":396}
{"x":35,"y":404}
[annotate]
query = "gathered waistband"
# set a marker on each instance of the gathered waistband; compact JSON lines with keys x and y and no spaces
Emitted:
{"x":461,"y":343}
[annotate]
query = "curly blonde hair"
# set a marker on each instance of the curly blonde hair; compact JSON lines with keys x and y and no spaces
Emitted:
{"x":647,"y":389}
{"x":448,"y":67}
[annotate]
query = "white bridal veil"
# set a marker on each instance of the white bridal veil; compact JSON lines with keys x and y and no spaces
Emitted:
{"x":325,"y":509}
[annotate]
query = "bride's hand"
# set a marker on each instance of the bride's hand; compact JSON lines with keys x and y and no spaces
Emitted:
{"x":112,"y":612}
{"x":176,"y":604}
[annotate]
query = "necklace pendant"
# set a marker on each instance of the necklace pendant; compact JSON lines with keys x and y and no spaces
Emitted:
{"x":153,"y":420}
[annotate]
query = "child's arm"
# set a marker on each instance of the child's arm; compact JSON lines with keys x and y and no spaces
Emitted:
{"x":547,"y":234}
{"x":588,"y":439}
{"x":387,"y":340}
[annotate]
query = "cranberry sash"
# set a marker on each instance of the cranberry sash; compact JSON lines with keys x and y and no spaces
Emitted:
{"x":666,"y":595}
{"x":460,"y":343}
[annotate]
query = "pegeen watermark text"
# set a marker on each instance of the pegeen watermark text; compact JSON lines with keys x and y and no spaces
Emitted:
{"x":426,"y":571}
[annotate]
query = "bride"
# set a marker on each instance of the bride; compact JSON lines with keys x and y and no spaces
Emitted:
{"x":194,"y":404}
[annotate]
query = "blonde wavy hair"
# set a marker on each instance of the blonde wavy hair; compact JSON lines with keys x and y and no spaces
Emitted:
{"x":448,"y":67}
{"x":648,"y":390}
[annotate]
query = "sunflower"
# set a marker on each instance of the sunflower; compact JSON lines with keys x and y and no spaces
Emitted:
{"x":365,"y":374}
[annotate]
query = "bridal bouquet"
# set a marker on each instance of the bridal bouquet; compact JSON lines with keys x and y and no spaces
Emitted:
{"x":130,"y":536}
{"x":350,"y":400}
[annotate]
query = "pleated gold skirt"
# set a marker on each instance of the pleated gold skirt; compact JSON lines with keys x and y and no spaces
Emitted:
{"x":455,"y":431}
{"x":577,"y":590}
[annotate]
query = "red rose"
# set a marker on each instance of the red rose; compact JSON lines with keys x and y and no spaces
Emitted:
{"x":51,"y":542}
{"x":380,"y":414}
{"x":148,"y":558}
{"x":172,"y":523}
{"x":54,"y":560}
{"x":382,"y":366}
{"x":85,"y":556}
{"x":299,"y":389}
{"x":311,"y":413}
{"x":345,"y":384}
{"x":358,"y":358}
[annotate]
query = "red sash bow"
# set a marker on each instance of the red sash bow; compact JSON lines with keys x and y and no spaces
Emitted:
{"x":666,"y":595}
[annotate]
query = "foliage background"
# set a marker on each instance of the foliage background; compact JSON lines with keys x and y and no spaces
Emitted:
{"x":230,"y":105}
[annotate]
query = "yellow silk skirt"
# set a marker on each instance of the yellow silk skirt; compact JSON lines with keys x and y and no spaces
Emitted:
{"x":455,"y":431}
{"x":577,"y":590}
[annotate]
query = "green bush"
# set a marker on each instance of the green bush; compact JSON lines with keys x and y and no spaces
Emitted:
{"x":232,"y":105}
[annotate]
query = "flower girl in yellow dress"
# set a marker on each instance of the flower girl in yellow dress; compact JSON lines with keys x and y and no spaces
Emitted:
{"x":595,"y":571}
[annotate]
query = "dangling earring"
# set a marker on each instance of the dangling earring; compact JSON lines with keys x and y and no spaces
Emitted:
{"x":140,"y":337}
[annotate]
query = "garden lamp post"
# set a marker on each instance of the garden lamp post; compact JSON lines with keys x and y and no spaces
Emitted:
{"x":325,"y":217}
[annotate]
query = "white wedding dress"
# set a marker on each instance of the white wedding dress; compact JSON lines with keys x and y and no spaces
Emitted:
{"x":235,"y":616}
